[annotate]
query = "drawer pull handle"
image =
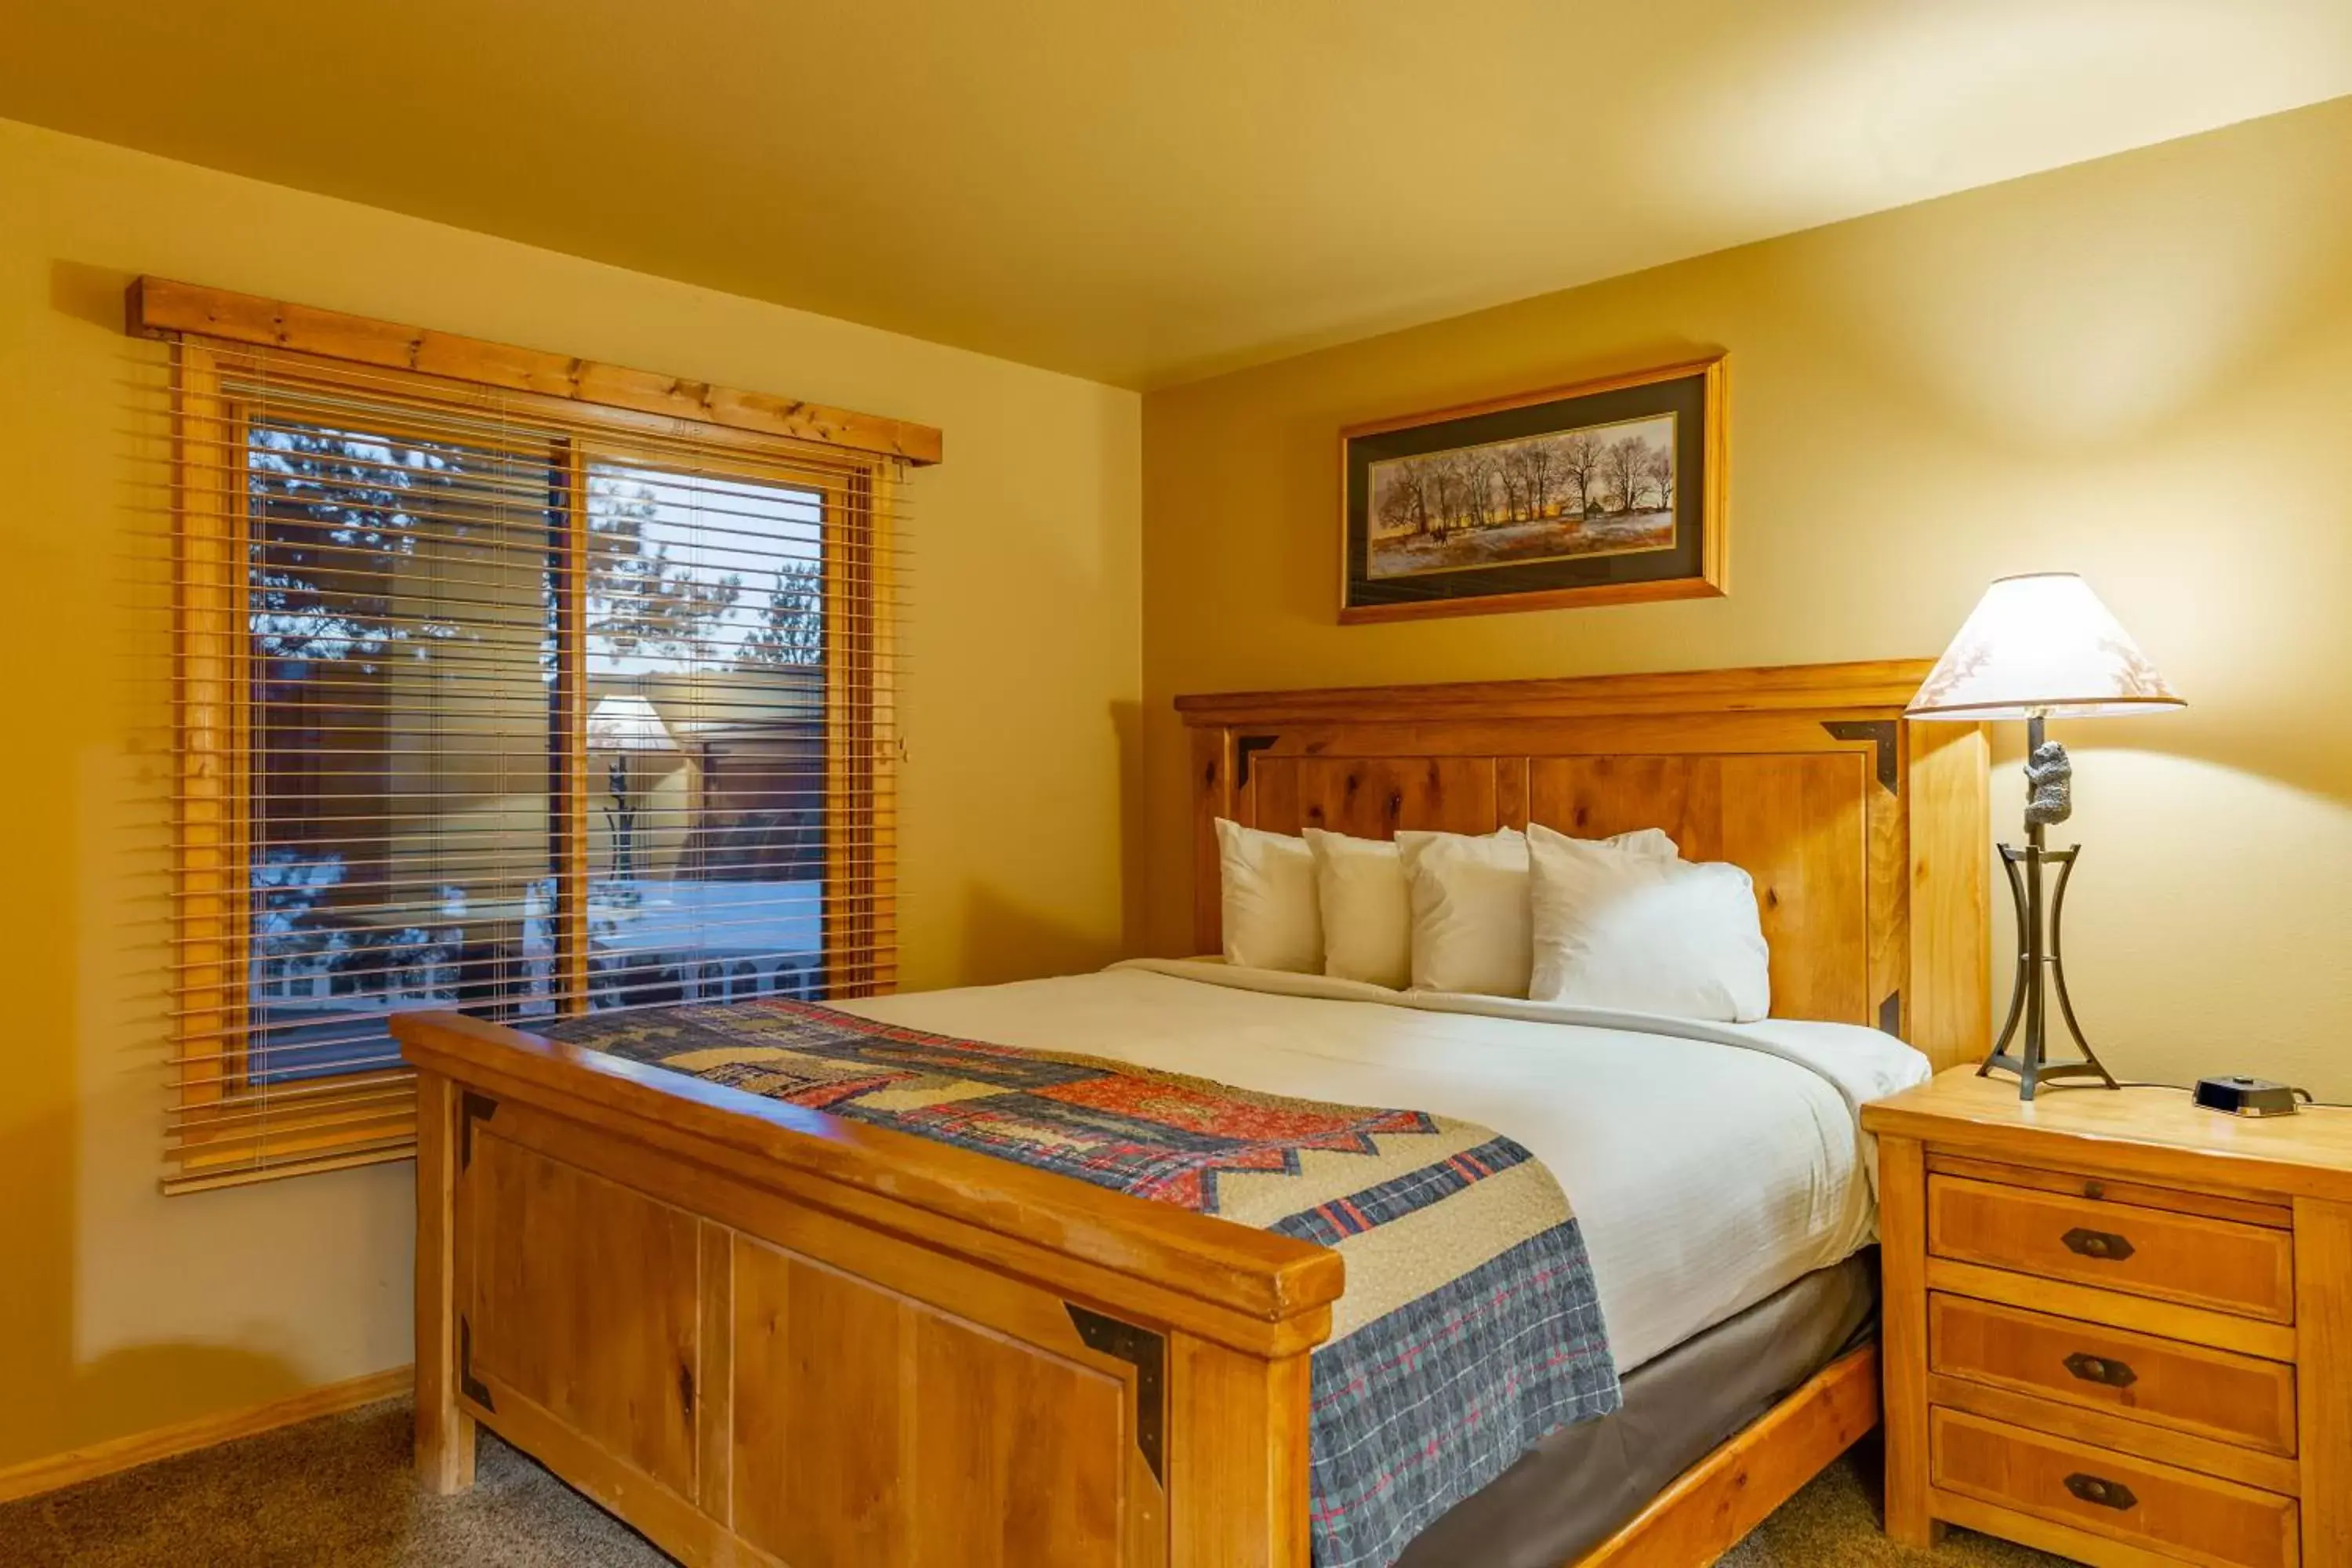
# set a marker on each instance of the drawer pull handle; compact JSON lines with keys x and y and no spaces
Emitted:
{"x":2103,"y":1245}
{"x":2101,"y":1369}
{"x":2105,"y":1493}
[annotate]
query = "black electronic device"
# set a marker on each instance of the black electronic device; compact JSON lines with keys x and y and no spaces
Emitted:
{"x":2242,"y":1096}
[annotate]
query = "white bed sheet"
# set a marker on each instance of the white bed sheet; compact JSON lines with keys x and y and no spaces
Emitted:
{"x":1709,"y":1164}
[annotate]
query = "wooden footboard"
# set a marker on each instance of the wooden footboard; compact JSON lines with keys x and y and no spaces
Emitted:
{"x":761,"y":1335}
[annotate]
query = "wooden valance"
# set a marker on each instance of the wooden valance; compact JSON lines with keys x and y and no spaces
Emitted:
{"x":158,"y":306}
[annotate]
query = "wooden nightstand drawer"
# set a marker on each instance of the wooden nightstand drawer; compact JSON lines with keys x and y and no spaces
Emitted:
{"x":2135,"y":1501}
{"x":2246,"y":1208}
{"x":2163,"y":1382}
{"x":2247,"y":1269}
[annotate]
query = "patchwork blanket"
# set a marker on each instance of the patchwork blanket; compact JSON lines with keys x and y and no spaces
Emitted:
{"x":1470,"y":1326}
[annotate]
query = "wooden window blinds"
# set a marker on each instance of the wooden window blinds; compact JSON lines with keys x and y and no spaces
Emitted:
{"x":509,"y":684}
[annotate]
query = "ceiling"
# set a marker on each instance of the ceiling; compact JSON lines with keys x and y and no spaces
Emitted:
{"x":1148,"y":191}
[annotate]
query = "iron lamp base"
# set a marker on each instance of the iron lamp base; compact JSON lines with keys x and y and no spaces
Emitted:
{"x":2041,"y":962}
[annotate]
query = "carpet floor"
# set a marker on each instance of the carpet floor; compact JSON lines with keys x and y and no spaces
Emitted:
{"x":337,"y":1493}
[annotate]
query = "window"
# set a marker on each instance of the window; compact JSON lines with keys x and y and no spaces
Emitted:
{"x":714,"y":589}
{"x":506,"y":703}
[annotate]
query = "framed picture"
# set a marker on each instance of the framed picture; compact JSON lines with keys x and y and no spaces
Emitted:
{"x":1600,"y":494}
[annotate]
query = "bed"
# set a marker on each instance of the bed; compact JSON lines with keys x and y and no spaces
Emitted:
{"x":764,"y":1333}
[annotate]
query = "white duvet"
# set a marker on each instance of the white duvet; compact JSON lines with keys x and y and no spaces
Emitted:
{"x":1709,"y":1164}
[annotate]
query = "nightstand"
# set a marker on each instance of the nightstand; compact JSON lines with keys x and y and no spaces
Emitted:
{"x":2117,"y":1327}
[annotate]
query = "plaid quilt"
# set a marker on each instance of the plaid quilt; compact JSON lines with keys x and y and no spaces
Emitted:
{"x":1470,"y":1326}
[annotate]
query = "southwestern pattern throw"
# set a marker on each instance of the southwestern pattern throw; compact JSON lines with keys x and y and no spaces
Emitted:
{"x":1470,"y":1327}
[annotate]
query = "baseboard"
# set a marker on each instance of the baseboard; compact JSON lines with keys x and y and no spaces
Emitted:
{"x":118,"y":1454}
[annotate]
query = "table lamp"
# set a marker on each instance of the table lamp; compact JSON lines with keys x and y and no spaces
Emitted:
{"x":621,"y":723}
{"x":2041,"y":646}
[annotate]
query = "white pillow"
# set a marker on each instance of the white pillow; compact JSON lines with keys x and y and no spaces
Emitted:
{"x":1469,"y":910}
{"x":1367,"y":909}
{"x":1272,"y":918}
{"x":1644,"y":934}
{"x":1470,"y":930}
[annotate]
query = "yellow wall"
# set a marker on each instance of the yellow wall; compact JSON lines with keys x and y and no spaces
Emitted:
{"x":121,"y":1310}
{"x":2140,"y":369}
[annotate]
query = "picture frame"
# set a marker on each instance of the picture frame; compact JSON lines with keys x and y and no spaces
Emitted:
{"x":1608,"y":491}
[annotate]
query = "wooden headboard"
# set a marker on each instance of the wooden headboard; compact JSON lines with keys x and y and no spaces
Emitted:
{"x":1867,"y":836}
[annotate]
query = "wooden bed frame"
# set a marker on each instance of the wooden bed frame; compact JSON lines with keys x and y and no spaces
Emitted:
{"x":761,"y":1335}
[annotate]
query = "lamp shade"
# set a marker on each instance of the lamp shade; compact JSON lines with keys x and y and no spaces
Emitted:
{"x":2041,"y":644}
{"x":625,"y":721}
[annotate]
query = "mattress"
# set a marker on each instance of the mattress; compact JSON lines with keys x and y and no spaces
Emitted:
{"x":1709,"y":1165}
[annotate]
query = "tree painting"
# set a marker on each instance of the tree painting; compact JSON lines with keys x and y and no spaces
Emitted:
{"x":1579,"y":459}
{"x":1601,"y":491}
{"x":1628,"y":469}
{"x":1661,"y":476}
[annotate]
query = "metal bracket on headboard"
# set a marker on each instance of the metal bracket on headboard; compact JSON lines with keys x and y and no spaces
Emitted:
{"x":1882,"y":733}
{"x":1142,"y":1350}
{"x":472,"y":1107}
{"x":1245,"y":747}
{"x":472,"y":1387}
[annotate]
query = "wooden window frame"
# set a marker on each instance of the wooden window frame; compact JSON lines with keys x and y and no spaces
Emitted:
{"x":228,"y":1133}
